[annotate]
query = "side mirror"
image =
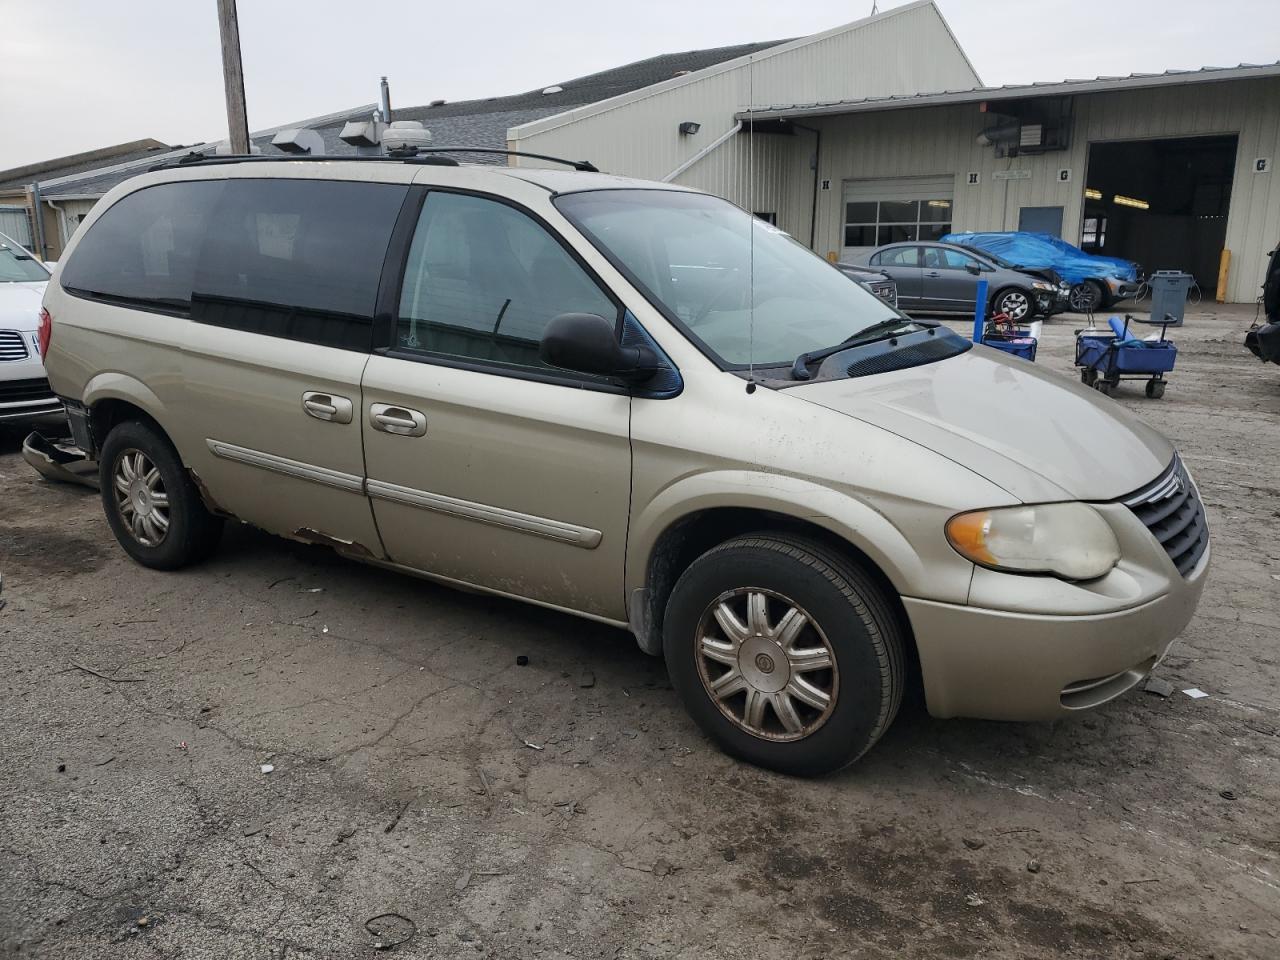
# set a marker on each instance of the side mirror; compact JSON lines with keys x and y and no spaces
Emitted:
{"x":588,"y":343}
{"x":973,"y":268}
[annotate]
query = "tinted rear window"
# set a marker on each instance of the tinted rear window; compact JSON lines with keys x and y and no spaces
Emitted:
{"x":299,"y":259}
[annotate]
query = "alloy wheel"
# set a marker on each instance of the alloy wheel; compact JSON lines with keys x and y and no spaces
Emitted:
{"x":1083,"y":297}
{"x":141,"y":497}
{"x":1015,"y":304}
{"x":766,"y":664}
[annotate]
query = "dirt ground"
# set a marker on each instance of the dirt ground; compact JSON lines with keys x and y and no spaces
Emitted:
{"x":568,"y":808}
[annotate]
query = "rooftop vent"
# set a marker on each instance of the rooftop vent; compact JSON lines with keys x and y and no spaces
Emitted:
{"x":299,"y":140}
{"x":553,"y":89}
{"x":437,"y":103}
{"x":405,"y":135}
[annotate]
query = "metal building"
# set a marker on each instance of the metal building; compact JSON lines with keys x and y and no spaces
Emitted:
{"x":880,"y":131}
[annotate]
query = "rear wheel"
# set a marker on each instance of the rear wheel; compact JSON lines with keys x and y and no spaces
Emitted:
{"x":151,"y":504}
{"x":1155,"y":389}
{"x":786,"y":654}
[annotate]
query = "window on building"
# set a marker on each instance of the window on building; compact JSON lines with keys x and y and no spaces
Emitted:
{"x":768,"y":217}
{"x":873,"y":223}
{"x":1095,"y":232}
{"x":483,"y":280}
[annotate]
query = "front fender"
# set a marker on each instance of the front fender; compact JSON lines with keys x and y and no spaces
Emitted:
{"x":855,"y":521}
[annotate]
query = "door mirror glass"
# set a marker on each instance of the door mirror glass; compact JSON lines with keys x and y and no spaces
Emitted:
{"x":973,"y":268}
{"x":588,"y":343}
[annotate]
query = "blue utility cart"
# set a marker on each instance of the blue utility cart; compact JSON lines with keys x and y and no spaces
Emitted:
{"x":1107,"y":357}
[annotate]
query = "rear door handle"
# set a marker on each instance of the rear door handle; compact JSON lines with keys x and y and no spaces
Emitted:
{"x":933,"y":273}
{"x":401,"y":421}
{"x":325,"y":406}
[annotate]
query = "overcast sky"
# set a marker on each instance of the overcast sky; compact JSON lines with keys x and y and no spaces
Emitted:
{"x":81,"y":74}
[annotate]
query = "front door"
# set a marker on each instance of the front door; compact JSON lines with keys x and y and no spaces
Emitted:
{"x":948,"y":280}
{"x":485,"y":465}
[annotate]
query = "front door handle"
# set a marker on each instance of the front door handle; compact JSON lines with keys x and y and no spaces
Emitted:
{"x":401,"y":421}
{"x":325,"y":406}
{"x":933,"y":274}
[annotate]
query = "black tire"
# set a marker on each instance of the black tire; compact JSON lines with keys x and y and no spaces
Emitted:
{"x":851,"y":614}
{"x":1088,"y":376}
{"x":1087,"y":296}
{"x":1010,"y":300}
{"x":1107,"y":387}
{"x":192,"y":532}
{"x":1155,"y":389}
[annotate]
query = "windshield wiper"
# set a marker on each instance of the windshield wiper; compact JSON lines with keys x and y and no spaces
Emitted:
{"x":877,"y":331}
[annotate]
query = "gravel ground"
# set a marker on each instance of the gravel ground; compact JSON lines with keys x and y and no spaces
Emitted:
{"x":568,"y":808}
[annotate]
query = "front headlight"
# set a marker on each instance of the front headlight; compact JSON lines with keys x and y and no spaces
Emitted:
{"x":1041,"y":285}
{"x":1069,"y":540}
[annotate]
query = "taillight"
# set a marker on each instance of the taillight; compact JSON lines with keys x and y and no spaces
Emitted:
{"x":46,"y":331}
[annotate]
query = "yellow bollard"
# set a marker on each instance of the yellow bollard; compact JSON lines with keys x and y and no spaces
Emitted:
{"x":1224,"y":267}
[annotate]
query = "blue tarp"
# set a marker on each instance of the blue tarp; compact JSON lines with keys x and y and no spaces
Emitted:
{"x":1039,"y":251}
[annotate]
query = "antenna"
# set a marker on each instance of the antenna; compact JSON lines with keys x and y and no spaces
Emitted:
{"x":751,"y":226}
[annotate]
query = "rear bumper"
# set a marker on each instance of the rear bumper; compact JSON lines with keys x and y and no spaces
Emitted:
{"x":999,"y":665}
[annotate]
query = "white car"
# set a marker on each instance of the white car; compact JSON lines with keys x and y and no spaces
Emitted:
{"x":24,"y":390}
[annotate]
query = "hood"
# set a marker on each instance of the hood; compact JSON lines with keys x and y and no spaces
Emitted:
{"x":20,"y":305}
{"x":1036,"y":434}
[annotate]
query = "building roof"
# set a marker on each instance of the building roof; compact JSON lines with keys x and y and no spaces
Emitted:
{"x":473,"y":123}
{"x":19,"y":177}
{"x":1134,"y":81}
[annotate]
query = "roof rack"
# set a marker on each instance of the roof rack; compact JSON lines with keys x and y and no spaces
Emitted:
{"x":202,"y":159}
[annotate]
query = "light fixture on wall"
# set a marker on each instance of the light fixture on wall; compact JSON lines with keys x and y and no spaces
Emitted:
{"x":1131,"y":202}
{"x":689,"y":128}
{"x":1092,"y":194}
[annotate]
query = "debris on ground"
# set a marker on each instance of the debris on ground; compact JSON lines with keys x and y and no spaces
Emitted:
{"x":389,"y":930}
{"x":663,"y":868}
{"x":1227,"y":794}
{"x":396,"y":819}
{"x":1161,"y":688}
{"x":973,"y":843}
{"x":1033,"y":866}
{"x":266,"y":767}
{"x":974,"y":900}
{"x":531,"y":745}
{"x":522,"y":661}
{"x":252,"y":829}
{"x":587,"y":679}
{"x":730,"y":855}
{"x":1195,"y":693}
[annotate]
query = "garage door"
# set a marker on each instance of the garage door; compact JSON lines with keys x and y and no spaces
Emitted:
{"x":883,"y":211}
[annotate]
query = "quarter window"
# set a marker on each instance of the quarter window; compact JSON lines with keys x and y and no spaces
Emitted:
{"x":483,"y":280}
{"x":143,"y":249}
{"x":900,"y":257}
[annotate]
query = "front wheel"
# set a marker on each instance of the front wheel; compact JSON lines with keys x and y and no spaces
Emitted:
{"x":1014,"y":303}
{"x":785,"y":653}
{"x":1086,"y":297}
{"x":152,"y":506}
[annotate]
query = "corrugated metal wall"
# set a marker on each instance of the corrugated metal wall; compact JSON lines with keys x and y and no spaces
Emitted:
{"x":903,"y":51}
{"x":943,"y":140}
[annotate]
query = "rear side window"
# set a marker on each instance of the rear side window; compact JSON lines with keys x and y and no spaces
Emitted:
{"x":298,"y":259}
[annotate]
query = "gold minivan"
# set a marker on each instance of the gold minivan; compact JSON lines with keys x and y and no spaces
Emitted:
{"x":631,"y":402}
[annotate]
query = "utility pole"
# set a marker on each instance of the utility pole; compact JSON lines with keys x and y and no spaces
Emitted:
{"x":233,"y":77}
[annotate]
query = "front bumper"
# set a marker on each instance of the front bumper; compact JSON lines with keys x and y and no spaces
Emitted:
{"x":32,"y":411}
{"x":1007,"y":665}
{"x":1122,"y":289}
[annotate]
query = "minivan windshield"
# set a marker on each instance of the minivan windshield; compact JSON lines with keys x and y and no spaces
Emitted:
{"x":692,"y":255}
{"x":18,"y":266}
